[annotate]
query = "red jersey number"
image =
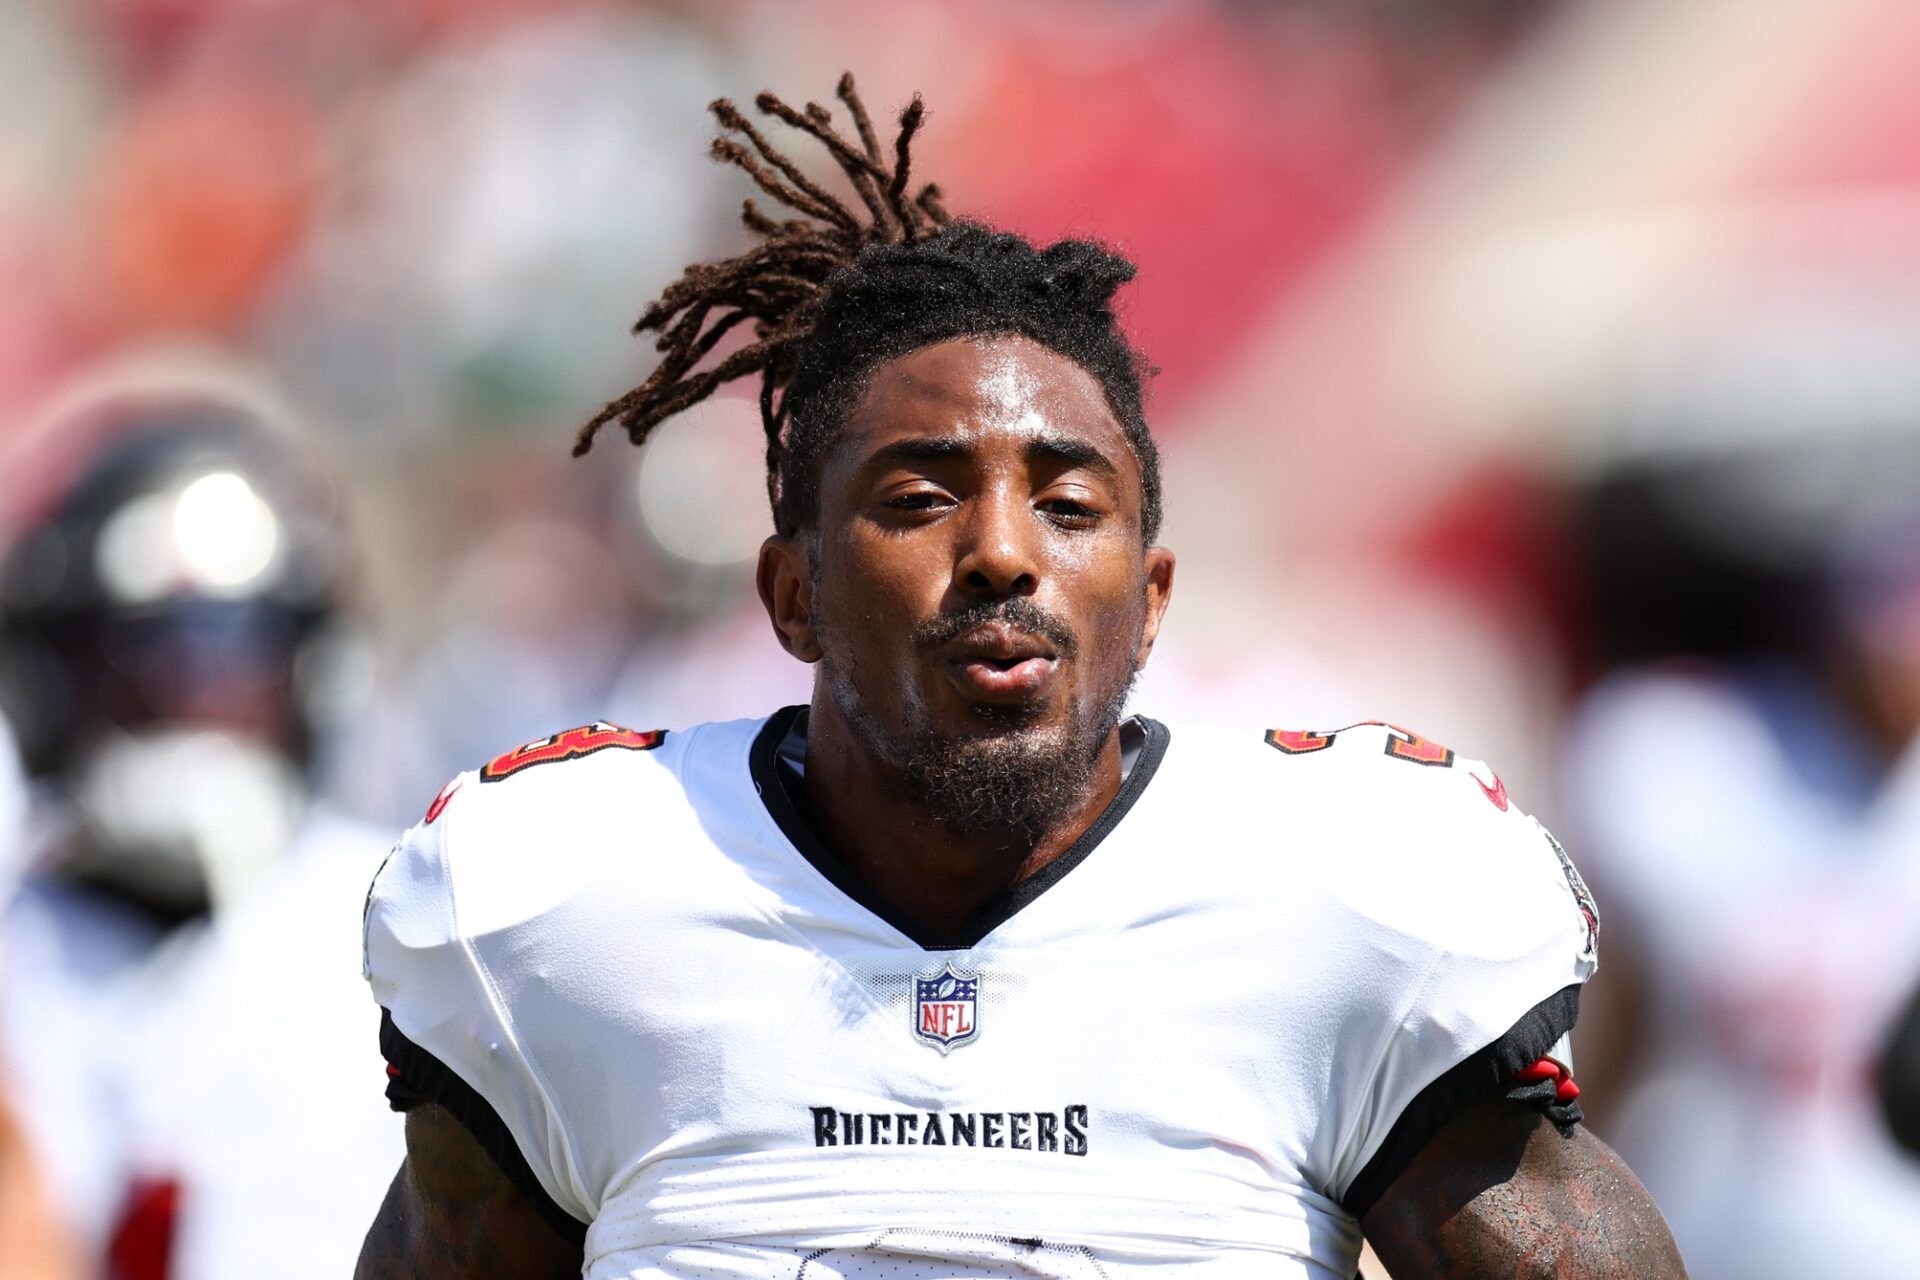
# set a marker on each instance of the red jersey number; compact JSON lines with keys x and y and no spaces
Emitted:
{"x":570,"y":745}
{"x":1402,"y":744}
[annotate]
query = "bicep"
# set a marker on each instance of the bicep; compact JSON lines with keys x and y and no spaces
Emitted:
{"x":451,"y":1215}
{"x":1499,"y":1191}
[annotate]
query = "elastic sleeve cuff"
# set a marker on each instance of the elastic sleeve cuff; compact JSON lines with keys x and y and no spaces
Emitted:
{"x":415,"y":1076}
{"x":1510,"y":1067}
{"x":402,"y":1096}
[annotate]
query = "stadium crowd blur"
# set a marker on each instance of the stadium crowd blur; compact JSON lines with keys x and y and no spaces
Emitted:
{"x":1538,"y":374}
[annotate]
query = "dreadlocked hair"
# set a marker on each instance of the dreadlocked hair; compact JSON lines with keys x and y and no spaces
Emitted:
{"x":837,"y":291}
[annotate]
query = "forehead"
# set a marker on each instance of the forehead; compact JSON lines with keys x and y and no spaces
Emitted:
{"x":1001,"y":390}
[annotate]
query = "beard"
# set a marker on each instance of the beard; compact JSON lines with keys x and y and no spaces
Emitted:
{"x":1012,"y":782}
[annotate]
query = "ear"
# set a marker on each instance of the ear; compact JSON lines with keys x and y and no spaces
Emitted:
{"x":787,"y":592}
{"x":1159,"y":588}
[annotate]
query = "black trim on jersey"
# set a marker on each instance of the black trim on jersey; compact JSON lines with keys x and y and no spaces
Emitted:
{"x":424,"y":1078}
{"x":1487,"y":1074}
{"x":785,"y":797}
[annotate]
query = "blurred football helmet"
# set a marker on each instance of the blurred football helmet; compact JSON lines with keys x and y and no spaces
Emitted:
{"x":167,"y":600}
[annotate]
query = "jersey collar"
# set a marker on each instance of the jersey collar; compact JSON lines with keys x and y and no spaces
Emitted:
{"x":783,"y":792}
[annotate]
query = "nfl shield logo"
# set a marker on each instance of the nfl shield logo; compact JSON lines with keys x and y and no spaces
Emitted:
{"x":946,"y":1008}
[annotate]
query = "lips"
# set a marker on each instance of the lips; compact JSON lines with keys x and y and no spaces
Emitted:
{"x":1000,"y":663}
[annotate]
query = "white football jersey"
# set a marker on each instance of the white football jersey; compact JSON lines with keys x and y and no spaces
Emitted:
{"x":1204,"y":1037}
{"x":243,"y":1074}
{"x":1775,"y":909}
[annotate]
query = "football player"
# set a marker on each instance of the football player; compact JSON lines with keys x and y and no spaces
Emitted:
{"x":174,"y":602}
{"x":957,"y":971}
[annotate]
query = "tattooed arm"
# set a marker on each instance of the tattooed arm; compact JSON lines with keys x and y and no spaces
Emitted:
{"x":452,"y":1215}
{"x":1500,"y":1192}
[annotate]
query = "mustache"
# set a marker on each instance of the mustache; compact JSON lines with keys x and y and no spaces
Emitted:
{"x":1015,"y":611}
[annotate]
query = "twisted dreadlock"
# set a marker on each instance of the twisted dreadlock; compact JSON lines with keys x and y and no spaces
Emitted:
{"x":832,"y":294}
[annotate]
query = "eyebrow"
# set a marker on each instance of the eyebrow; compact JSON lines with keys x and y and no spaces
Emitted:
{"x":1041,"y":448}
{"x":1074,"y":453}
{"x":917,"y":449}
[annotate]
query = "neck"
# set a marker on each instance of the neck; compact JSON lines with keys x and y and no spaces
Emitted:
{"x":923,"y":870}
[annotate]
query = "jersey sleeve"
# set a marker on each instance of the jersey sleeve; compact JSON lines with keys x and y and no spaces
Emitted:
{"x":446,"y":1033}
{"x":1478,"y":936}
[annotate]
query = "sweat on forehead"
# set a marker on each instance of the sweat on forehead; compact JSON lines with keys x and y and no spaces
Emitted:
{"x":983,"y":400}
{"x":1003,"y":381}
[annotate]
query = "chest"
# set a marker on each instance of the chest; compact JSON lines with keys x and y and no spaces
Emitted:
{"x":727,"y":1019}
{"x":744,"y":1037}
{"x":1158,"y":1072}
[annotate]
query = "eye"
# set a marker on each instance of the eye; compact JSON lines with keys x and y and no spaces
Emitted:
{"x":1070,"y":512}
{"x":918,"y":500}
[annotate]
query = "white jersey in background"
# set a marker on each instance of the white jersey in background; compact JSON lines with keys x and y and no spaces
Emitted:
{"x":75,"y":966}
{"x":1207,"y":1036}
{"x":244,"y":1072}
{"x":1774,"y":904}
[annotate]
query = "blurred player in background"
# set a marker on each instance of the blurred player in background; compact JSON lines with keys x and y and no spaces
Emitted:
{"x":1754,"y":812}
{"x":172,"y":632}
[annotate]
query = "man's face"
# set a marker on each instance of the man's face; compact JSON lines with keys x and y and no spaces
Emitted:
{"x":978,"y":590}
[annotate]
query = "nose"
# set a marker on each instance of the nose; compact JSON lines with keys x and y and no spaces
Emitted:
{"x":998,"y":553}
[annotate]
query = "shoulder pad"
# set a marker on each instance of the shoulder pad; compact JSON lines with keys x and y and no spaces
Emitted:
{"x":1445,"y":846}
{"x":1368,"y":742}
{"x":569,"y":744}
